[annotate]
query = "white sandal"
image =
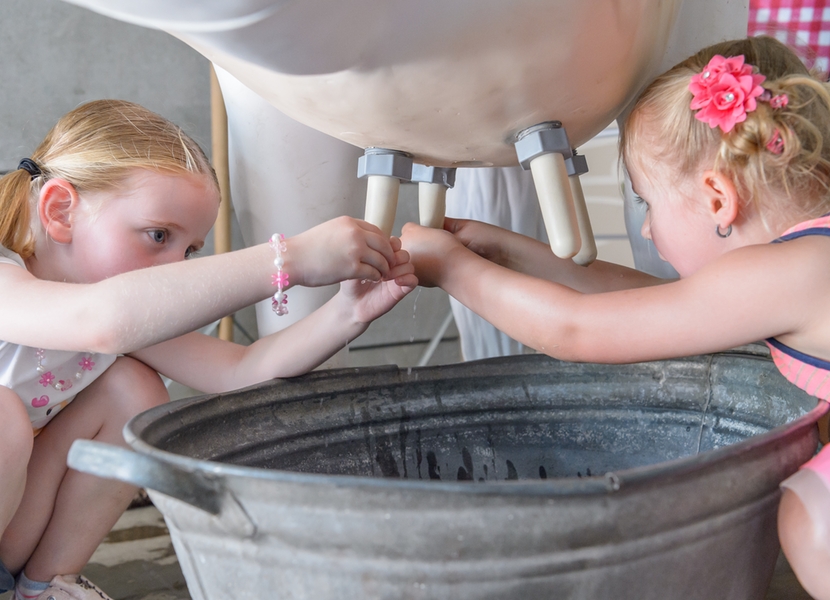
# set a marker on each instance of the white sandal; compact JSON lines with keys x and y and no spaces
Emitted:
{"x":72,"y":587}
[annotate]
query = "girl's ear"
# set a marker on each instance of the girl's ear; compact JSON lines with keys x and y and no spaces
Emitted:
{"x":56,"y":203}
{"x":721,"y":198}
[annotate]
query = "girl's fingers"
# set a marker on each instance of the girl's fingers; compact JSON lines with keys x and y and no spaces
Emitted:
{"x":453,"y":225}
{"x":377,"y":240}
{"x":380,"y":243}
{"x":378,"y":262}
{"x":373,"y":248}
{"x":366,"y":272}
{"x":407,"y":282}
{"x":400,"y":270}
{"x":368,"y":226}
{"x":401,"y":257}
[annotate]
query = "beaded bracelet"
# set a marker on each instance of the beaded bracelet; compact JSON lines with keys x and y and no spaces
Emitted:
{"x":280,"y":279}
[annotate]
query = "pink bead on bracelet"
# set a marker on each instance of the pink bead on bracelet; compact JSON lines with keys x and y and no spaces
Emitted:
{"x":280,"y":279}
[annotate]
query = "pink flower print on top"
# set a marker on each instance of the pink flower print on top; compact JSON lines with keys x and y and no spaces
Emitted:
{"x":42,"y":401}
{"x":725,"y":91}
{"x":46,"y":379}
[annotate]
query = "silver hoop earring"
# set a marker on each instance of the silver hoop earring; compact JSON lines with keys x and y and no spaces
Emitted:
{"x":723,"y":235}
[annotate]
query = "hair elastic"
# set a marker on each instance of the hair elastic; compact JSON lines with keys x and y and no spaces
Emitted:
{"x":776,"y":142}
{"x":30,"y":166}
{"x":776,"y":102}
{"x":279,"y":303}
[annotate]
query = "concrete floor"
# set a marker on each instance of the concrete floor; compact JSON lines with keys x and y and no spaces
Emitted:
{"x":137,"y":562}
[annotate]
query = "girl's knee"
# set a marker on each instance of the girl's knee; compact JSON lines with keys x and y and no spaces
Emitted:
{"x":16,"y":442}
{"x":133,"y":387}
{"x":15,"y":431}
{"x":804,"y":533}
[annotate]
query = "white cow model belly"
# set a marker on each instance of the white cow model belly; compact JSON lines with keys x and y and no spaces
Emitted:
{"x":425,"y":86}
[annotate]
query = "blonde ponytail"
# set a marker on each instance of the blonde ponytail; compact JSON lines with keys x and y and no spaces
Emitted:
{"x":15,"y":195}
{"x":798,"y":169}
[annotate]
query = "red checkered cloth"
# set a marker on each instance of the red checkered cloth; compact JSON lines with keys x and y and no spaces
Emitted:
{"x":804,"y":25}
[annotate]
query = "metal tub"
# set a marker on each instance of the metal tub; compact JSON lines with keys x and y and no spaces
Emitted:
{"x":522,"y":477}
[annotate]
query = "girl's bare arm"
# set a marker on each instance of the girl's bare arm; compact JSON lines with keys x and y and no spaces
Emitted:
{"x":526,"y":255}
{"x":144,"y":307}
{"x":747,"y":295}
{"x":211,"y":365}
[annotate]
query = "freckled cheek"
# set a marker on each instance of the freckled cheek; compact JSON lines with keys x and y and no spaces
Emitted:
{"x":122,"y":260}
{"x":116,"y":267}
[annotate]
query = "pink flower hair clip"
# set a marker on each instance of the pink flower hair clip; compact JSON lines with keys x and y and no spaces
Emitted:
{"x":725,"y":91}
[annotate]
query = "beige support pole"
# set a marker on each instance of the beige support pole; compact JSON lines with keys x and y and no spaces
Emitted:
{"x":222,"y":227}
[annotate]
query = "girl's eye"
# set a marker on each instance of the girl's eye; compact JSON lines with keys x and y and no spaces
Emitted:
{"x":159,"y":236}
{"x":639,"y":200}
{"x":191,"y":252}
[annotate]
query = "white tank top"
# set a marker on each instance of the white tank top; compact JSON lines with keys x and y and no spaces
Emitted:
{"x":46,"y":380}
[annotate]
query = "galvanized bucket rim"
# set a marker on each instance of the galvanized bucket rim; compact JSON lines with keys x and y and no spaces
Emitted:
{"x":564,"y":486}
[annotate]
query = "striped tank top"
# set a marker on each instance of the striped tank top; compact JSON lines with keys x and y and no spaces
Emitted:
{"x":809,"y":373}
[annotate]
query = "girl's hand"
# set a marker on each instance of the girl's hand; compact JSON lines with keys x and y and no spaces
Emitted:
{"x":428,"y":250}
{"x":337,"y":250}
{"x":488,"y":241}
{"x":371,"y":299}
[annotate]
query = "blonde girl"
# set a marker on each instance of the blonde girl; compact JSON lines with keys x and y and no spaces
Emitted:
{"x":97,"y":297}
{"x":730,"y":152}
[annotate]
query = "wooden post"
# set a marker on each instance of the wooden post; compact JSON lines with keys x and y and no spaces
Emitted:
{"x":219,"y":143}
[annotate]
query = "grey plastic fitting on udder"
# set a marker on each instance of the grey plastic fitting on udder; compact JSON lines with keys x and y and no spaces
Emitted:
{"x":442,"y":175}
{"x":542,"y":138}
{"x":384,"y":170}
{"x":433,"y":183}
{"x":576,"y":165}
{"x":382,"y":161}
{"x":545,"y":150}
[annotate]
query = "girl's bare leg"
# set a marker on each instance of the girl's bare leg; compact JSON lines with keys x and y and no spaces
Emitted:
{"x":805,"y":543}
{"x":64,"y":514}
{"x":15,"y":451}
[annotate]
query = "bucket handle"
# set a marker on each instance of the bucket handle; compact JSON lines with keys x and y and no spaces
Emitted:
{"x":193,"y":487}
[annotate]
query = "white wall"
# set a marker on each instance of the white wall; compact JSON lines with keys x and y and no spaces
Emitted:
{"x":55,"y":56}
